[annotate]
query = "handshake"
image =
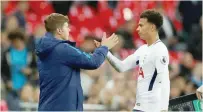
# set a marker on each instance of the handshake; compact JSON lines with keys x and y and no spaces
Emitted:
{"x":108,"y":42}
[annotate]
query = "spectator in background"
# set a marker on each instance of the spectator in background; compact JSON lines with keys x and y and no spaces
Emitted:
{"x":18,"y":63}
{"x":177,"y":86}
{"x":186,"y":65}
{"x":92,"y":82}
{"x":194,"y":43}
{"x":116,"y":49}
{"x":20,"y":14}
{"x":3,"y":15}
{"x":174,"y":70}
{"x":196,"y":76}
{"x":167,"y":32}
{"x":191,"y":12}
{"x":88,"y":44}
{"x":93,"y":96}
{"x":39,"y":31}
{"x":4,"y":43}
{"x":189,"y":88}
{"x":3,"y":104}
{"x":11,"y":24}
{"x":115,"y":96}
{"x":36,"y":94}
{"x":128,"y":32}
{"x":27,"y":93}
{"x":126,"y":37}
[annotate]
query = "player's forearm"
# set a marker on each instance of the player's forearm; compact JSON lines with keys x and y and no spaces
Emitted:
{"x":116,"y":63}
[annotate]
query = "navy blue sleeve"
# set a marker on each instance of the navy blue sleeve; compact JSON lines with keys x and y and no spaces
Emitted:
{"x":78,"y":59}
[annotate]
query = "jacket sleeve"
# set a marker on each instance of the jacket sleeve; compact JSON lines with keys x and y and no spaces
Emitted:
{"x":76,"y":58}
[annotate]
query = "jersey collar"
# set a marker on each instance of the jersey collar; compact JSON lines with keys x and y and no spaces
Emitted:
{"x":157,"y":41}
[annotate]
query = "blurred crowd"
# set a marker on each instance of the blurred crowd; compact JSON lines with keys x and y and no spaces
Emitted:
{"x":22,"y":25}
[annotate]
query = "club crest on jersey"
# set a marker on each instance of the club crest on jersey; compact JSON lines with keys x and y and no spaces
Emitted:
{"x":163,"y":60}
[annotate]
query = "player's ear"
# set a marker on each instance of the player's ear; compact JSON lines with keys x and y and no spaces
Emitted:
{"x":153,"y":27}
{"x":59,"y":31}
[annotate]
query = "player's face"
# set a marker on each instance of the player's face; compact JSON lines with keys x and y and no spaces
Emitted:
{"x":64,"y":31}
{"x":144,"y":28}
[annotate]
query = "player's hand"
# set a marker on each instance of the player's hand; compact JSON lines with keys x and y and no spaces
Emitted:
{"x":27,"y":71}
{"x":108,"y":42}
{"x":9,"y":84}
{"x":199,"y":92}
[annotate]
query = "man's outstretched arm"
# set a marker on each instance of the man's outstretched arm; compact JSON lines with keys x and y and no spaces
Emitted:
{"x":79,"y":59}
{"x":122,"y":66}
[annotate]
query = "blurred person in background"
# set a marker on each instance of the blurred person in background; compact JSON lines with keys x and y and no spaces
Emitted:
{"x":88,"y":44}
{"x":111,"y":94}
{"x":175,"y":91}
{"x":189,"y":88}
{"x":87,"y":82}
{"x":117,"y":49}
{"x":167,"y":32}
{"x":36,"y":94}
{"x":93,"y":96}
{"x":18,"y":64}
{"x":117,"y":94}
{"x":20,"y":13}
{"x":3,"y":103}
{"x":186,"y":65}
{"x":194,"y":43}
{"x":93,"y":79}
{"x":174,"y":70}
{"x":126,"y":32}
{"x":27,"y":93}
{"x":196,"y":75}
{"x":3,"y":15}
{"x":11,"y":24}
{"x":186,"y":10}
{"x":39,"y":31}
{"x":4,"y":43}
{"x":30,"y":96}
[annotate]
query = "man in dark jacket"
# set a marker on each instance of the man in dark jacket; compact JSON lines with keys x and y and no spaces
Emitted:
{"x":59,"y":64}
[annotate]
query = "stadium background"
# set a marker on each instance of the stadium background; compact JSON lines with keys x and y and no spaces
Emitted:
{"x":104,"y":88}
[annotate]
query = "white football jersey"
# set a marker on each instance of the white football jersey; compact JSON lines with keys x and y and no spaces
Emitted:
{"x":153,"y":85}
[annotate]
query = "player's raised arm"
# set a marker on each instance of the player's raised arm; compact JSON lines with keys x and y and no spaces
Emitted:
{"x":121,"y":66}
{"x":79,"y":59}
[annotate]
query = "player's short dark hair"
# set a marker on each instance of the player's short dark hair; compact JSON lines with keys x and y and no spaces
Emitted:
{"x":54,"y":21}
{"x":16,"y":34}
{"x":153,"y":17}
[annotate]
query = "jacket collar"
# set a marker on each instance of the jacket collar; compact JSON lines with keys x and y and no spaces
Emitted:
{"x":48,"y":34}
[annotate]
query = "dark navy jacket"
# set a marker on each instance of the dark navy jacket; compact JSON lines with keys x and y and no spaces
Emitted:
{"x":59,"y":64}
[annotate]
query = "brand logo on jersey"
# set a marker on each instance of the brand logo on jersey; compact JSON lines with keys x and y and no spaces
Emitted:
{"x":163,"y":60}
